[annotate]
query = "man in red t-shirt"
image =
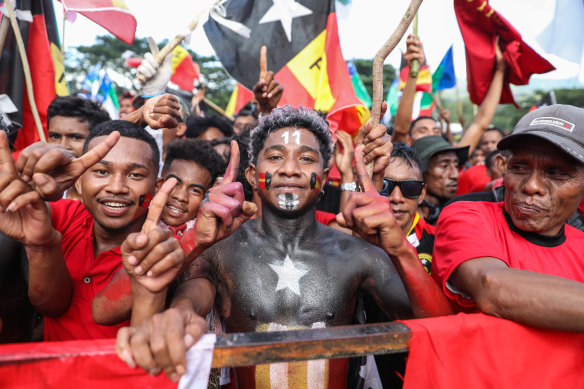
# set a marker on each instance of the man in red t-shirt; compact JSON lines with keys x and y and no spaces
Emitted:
{"x":518,"y":259}
{"x":73,"y":247}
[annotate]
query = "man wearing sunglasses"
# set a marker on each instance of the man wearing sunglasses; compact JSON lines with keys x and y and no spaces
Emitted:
{"x":405,"y":190}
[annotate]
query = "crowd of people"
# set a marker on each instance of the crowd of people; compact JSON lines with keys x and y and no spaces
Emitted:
{"x":171,"y":222}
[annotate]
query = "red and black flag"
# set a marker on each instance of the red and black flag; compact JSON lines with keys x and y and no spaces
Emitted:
{"x":303,"y":51}
{"x":547,"y":99}
{"x":46,"y":65}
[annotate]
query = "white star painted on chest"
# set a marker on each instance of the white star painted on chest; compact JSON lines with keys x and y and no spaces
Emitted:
{"x":288,"y":276}
{"x":284,"y":11}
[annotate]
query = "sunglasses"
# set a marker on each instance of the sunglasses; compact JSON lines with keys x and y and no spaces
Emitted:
{"x":412,"y":189}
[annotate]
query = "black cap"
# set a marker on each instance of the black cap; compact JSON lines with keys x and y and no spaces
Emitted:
{"x":428,"y":146}
{"x":562,"y":125}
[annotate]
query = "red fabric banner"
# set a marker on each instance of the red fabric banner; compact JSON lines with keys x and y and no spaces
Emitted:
{"x":479,"y":25}
{"x":480,"y":351}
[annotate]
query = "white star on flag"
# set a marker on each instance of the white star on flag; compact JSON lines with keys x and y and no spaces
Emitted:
{"x":284,"y":11}
{"x":288,"y":276}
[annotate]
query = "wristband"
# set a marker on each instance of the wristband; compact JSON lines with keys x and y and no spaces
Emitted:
{"x":349,"y":186}
{"x":151,"y":96}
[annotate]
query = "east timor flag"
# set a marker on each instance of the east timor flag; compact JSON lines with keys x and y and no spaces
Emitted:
{"x":46,"y":67}
{"x":303,"y":51}
{"x":424,"y":81}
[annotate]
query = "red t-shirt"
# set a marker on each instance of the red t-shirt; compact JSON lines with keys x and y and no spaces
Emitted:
{"x":90,"y":275}
{"x":474,"y":178}
{"x":473,"y":229}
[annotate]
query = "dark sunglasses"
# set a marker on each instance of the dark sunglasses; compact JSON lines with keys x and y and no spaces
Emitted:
{"x":412,"y":189}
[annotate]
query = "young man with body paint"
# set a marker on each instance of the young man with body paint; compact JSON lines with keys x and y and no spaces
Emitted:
{"x":283,"y":270}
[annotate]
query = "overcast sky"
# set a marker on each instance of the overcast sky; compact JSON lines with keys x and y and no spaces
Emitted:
{"x":363,"y":27}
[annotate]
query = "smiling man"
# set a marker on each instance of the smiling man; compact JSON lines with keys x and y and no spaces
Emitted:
{"x":74,"y":247}
{"x":518,"y":259}
{"x":285,"y":270}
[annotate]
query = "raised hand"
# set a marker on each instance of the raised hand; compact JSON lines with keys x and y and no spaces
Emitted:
{"x":369,"y":214}
{"x":267,"y":91}
{"x":414,"y":50}
{"x":52,"y":169}
{"x":161,"y":111}
{"x":377,"y":147}
{"x":222,"y":212}
{"x":153,"y":258}
{"x":344,"y":158}
{"x":24,"y":217}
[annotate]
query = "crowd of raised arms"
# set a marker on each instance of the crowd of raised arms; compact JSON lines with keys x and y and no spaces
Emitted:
{"x":171,"y":222}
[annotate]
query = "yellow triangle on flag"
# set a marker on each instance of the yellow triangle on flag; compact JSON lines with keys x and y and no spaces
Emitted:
{"x":310,"y":68}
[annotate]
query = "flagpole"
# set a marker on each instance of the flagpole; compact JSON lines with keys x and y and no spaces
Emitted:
{"x":26,"y":68}
{"x":383,"y":52}
{"x":218,"y":109}
{"x":458,"y":102}
{"x":63,"y":39}
{"x":4,"y":26}
{"x":159,"y":57}
{"x":415,"y":68}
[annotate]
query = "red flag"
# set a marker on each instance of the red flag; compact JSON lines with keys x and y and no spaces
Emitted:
{"x":184,"y":70}
{"x":113,"y":15}
{"x":479,"y":25}
{"x":47,"y":75}
{"x":239,"y":98}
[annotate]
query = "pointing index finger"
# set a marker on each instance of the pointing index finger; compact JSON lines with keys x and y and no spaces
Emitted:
{"x":157,"y":205}
{"x":96,"y":154}
{"x":6,"y":161}
{"x":263,"y":62}
{"x":362,"y":176}
{"x":233,"y":167}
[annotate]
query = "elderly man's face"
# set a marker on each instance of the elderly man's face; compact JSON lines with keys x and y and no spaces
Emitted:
{"x":543,"y":186}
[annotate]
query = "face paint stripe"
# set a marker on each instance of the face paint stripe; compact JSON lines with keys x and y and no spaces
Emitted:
{"x":265,"y":180}
{"x":315,"y":182}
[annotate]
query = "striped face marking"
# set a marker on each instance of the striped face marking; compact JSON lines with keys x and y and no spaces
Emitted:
{"x":295,"y":135}
{"x":288,"y":201}
{"x":265,"y":180}
{"x":315,"y":182}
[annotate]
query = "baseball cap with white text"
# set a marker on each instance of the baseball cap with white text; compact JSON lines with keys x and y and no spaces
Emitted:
{"x":562,"y":125}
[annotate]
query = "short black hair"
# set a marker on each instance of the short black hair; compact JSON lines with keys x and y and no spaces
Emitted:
{"x":76,"y":107}
{"x":288,"y":116}
{"x":248,"y":110}
{"x":196,"y":125}
{"x":128,"y":130}
{"x":127,"y":95}
{"x":413,"y":123}
{"x":491,"y":157}
{"x":138,"y":101}
{"x":493,"y":128}
{"x":407,"y":153}
{"x":198,"y":151}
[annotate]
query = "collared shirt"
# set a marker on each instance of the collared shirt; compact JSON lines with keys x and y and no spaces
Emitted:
{"x":89,"y":274}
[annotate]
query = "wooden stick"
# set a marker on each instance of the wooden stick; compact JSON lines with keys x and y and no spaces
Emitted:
{"x":63,"y":37}
{"x":415,"y":68}
{"x":159,"y":57}
{"x":26,"y":68}
{"x":4,"y":26}
{"x":383,"y":52}
{"x":218,"y":109}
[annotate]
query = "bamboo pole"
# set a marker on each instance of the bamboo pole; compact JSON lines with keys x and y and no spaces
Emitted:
{"x":415,"y":68}
{"x":159,"y":57}
{"x":218,"y":108}
{"x":26,"y":68}
{"x":4,"y":26}
{"x":383,"y":52}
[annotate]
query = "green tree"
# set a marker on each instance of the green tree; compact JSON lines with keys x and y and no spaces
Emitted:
{"x":365,"y":69}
